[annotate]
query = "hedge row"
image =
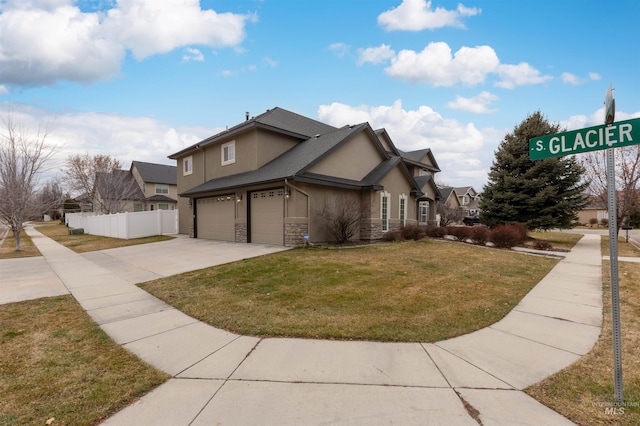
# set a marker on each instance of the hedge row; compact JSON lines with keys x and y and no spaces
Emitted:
{"x":503,"y":236}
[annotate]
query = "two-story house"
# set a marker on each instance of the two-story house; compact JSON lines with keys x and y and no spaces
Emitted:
{"x":270,"y":179}
{"x":144,"y":187}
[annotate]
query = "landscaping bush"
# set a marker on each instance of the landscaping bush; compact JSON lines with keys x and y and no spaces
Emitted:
{"x":413,"y":232}
{"x":604,"y":222}
{"x":507,"y":236}
{"x":392,"y":236}
{"x":460,"y":232}
{"x":593,"y":221}
{"x":541,"y":245}
{"x":435,"y":232}
{"x":479,"y":235}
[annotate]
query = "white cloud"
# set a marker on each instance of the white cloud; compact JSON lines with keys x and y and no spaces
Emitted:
{"x":42,"y":40}
{"x":596,"y":119}
{"x":192,"y":54}
{"x":270,"y":62}
{"x":594,"y":76}
{"x":418,"y":15}
{"x":436,"y":65}
{"x":375,"y":55}
{"x":478,"y":104}
{"x":340,"y":49}
{"x":409,"y":130}
{"x":123,"y":137}
{"x":520,"y":75}
{"x":569,"y":78}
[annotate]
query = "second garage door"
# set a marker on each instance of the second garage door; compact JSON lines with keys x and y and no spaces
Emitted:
{"x":267,"y":217}
{"x":216,"y":218}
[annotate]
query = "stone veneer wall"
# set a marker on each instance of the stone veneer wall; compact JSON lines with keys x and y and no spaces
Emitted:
{"x":191,"y":231}
{"x":294,"y":234}
{"x":241,"y":232}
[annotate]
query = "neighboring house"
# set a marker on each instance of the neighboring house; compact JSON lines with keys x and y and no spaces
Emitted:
{"x":158,"y":183}
{"x":277,"y":177}
{"x":449,"y":208}
{"x":595,"y":210}
{"x":469,"y":200}
{"x":145,"y":186}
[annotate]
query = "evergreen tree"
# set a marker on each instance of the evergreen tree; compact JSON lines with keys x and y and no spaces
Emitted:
{"x":540,"y":194}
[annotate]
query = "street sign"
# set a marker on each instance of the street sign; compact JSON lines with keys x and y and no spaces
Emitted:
{"x":622,"y":133}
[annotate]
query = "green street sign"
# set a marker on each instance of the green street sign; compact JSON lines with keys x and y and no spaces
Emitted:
{"x":619,"y":134}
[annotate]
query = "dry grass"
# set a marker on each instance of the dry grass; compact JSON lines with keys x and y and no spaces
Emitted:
{"x":86,"y":242}
{"x":56,"y":362}
{"x":559,"y":240}
{"x":584,"y":391}
{"x":425,"y":291}
{"x":8,"y":248}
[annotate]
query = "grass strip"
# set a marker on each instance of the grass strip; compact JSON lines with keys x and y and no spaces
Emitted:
{"x":56,"y":362}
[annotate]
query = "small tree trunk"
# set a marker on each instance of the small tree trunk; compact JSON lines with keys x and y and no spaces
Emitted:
{"x":16,"y":234}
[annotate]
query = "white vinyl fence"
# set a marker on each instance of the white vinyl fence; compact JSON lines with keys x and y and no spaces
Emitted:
{"x":126,"y":225}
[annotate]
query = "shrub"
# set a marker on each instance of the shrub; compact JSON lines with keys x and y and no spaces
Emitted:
{"x":604,"y":222}
{"x":435,"y":232}
{"x":460,"y":232}
{"x":593,"y":221}
{"x":413,"y":232}
{"x":479,"y":235}
{"x":542,"y":245}
{"x":392,"y":236}
{"x":507,"y":236}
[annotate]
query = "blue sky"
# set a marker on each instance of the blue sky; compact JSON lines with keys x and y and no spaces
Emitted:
{"x":142,"y":79}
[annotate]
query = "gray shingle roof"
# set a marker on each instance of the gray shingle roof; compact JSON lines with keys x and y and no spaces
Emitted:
{"x":277,"y":119}
{"x":156,"y":173}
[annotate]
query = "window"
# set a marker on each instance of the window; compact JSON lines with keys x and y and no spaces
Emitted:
{"x":465,"y":200}
{"x":162,"y":188}
{"x":163,"y":206}
{"x":423,"y":207}
{"x":403,"y":210}
{"x":187,"y":165}
{"x":423,"y":172}
{"x":384,"y":211}
{"x":228,"y":153}
{"x":138,"y":207}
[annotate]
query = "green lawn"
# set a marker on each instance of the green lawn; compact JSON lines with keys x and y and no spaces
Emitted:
{"x":409,"y":292}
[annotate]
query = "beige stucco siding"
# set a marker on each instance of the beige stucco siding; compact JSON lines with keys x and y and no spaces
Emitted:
{"x":352,"y":160}
{"x":396,"y":183}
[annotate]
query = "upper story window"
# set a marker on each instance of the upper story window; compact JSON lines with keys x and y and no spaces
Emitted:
{"x":465,"y":200}
{"x":162,"y":188}
{"x":187,"y":165}
{"x":228,"y":153}
{"x":423,"y":172}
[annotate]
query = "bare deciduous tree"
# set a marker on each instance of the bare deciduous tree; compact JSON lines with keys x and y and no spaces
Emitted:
{"x":627,"y":179}
{"x":100,"y":178}
{"x":449,"y":215}
{"x":23,"y":158}
{"x":342,"y":216}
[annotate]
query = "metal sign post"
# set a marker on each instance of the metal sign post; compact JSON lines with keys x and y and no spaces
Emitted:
{"x":608,"y":136}
{"x":609,"y":111}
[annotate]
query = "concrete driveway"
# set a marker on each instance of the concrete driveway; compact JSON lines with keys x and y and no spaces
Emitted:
{"x":33,"y":278}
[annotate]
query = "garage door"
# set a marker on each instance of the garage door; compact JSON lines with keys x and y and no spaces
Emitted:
{"x":267,"y":217}
{"x":216,"y":218}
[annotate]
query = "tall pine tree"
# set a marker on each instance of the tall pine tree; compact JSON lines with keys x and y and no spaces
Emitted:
{"x":541,"y":194}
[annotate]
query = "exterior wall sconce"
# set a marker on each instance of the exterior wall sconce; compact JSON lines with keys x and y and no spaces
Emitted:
{"x":238,"y":198}
{"x":190,"y":202}
{"x":287,"y":193}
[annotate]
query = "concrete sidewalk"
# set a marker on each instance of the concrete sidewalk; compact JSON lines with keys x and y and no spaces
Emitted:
{"x":223,"y":378}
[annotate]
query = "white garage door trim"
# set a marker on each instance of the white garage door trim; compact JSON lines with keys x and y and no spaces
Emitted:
{"x":267,"y":216}
{"x":216,"y":218}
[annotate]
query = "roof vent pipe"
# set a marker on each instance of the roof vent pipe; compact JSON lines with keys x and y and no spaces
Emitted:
{"x":246,"y":114}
